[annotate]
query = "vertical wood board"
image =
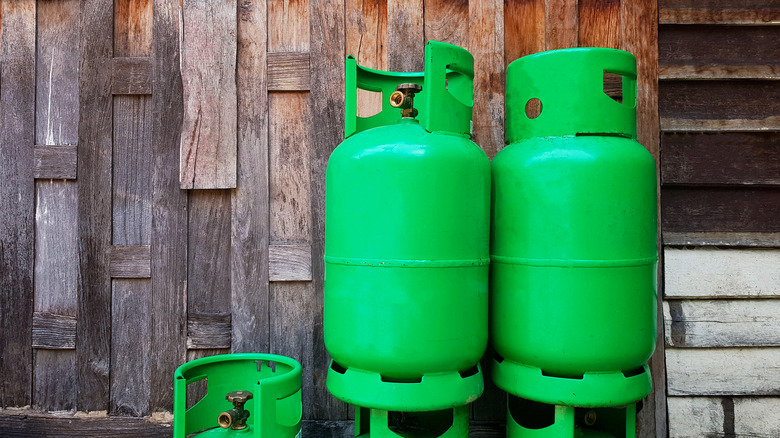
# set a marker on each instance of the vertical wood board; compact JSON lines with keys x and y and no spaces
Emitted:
{"x":208,"y":70}
{"x":405,"y":35}
{"x":486,"y":42}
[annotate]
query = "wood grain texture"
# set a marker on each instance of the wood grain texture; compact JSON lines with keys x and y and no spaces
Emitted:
{"x":289,"y":262}
{"x":208,"y":273}
{"x":130,"y":261}
{"x":721,"y":273}
{"x":26,"y":423}
{"x":250,"y":205}
{"x":702,"y":45}
{"x":486,"y":43}
{"x":327,"y":51}
{"x":723,"y":158}
{"x":52,"y":331}
{"x":133,"y":23}
{"x":366,"y":40}
{"x":288,"y":25}
{"x":719,"y":72}
{"x":718,"y":12}
{"x":770,"y":123}
{"x":722,"y":239}
{"x":208,"y":331}
{"x":599,"y":23}
{"x":524,"y":28}
{"x":447,"y":21}
{"x":131,"y":75}
{"x":737,"y":417}
{"x":722,"y":323}
{"x":93,"y":340}
{"x":208,"y":71}
{"x":405,"y":35}
{"x":288,"y":71}
{"x":719,"y":100}
{"x":722,"y":371}
{"x":169,"y":210}
{"x":561,"y":24}
{"x":56,"y":204}
{"x":734,"y":209}
{"x":17,"y":199}
{"x":130,"y":356}
{"x":55,"y":162}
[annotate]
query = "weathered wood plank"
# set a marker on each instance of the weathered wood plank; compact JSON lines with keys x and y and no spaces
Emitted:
{"x":52,"y":331}
{"x":753,"y":12}
{"x":719,"y":72}
{"x":721,"y":273}
{"x":719,"y":100}
{"x":55,"y":162}
{"x":486,"y":43}
{"x":56,"y":206}
{"x":524,"y":28}
{"x":17,"y":199}
{"x":208,"y":70}
{"x":130,"y":261}
{"x":130,"y":334}
{"x":288,"y":71}
{"x":697,"y":45}
{"x":131,"y":75}
{"x":447,"y":21}
{"x":132,"y":215}
{"x":723,"y":158}
{"x":599,"y":23}
{"x":93,"y":340}
{"x":722,"y":239}
{"x":169,"y":210}
{"x":737,"y":417}
{"x":250,"y":208}
{"x":208,"y":331}
{"x":734,"y":209}
{"x":561,"y":24}
{"x":290,"y":262}
{"x":405,"y":35}
{"x":326,"y":127}
{"x":26,"y":423}
{"x":723,"y":371}
{"x":366,"y":39}
{"x":770,"y":123}
{"x":722,"y":323}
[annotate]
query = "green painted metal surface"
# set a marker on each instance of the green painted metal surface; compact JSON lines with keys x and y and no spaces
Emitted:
{"x":527,"y":419}
{"x":573,"y":237}
{"x":273,"y":380}
{"x":406,"y":244}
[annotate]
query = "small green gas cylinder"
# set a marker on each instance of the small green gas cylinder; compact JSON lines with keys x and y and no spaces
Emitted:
{"x":573,"y":238}
{"x":406,"y":242}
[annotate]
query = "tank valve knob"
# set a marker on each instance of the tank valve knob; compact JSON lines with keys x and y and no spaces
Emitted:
{"x":403,"y":98}
{"x":236,"y":417}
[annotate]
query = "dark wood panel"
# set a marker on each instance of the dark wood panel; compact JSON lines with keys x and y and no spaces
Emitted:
{"x":326,"y":127}
{"x":208,"y":283}
{"x":169,"y":210}
{"x":744,"y":12}
{"x":55,"y":162}
{"x":250,"y":228}
{"x":53,"y":331}
{"x":288,"y":71}
{"x":733,"y":209}
{"x":721,"y":158}
{"x":131,"y":75}
{"x":405,"y":35}
{"x":718,"y":45}
{"x":208,"y":331}
{"x":600,"y":23}
{"x":753,"y":100}
{"x":130,"y":261}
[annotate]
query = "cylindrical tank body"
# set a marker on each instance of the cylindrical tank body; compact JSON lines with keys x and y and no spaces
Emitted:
{"x":406,"y":256}
{"x":573,"y":238}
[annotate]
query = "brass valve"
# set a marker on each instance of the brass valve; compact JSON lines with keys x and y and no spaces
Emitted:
{"x":403,"y":97}
{"x":236,"y":417}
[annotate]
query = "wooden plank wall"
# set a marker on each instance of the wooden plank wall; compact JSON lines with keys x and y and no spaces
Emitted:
{"x":719,"y":68}
{"x":124,"y":259}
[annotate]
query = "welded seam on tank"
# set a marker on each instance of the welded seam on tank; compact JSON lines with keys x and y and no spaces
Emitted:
{"x":402,"y":263}
{"x":573,"y":263}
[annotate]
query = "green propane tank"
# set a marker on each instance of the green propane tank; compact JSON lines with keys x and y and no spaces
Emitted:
{"x":406,"y":242}
{"x":573,"y":238}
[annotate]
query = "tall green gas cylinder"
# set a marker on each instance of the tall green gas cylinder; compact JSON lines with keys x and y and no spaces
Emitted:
{"x":573,"y":238}
{"x":406,"y":241}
